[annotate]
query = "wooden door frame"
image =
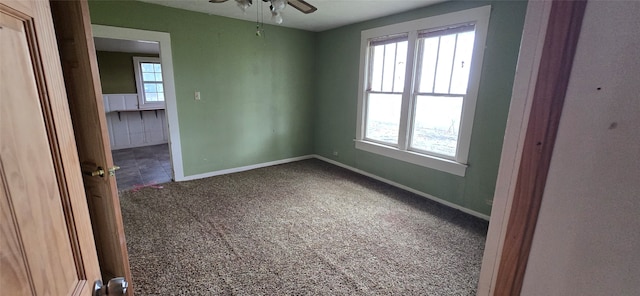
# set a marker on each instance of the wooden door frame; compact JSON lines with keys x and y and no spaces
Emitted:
{"x":549,"y":42}
{"x":164,"y":39}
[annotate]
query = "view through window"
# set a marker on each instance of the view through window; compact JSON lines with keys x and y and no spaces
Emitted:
{"x":149,"y":80}
{"x":152,"y":81}
{"x":386,"y":85}
{"x":419,"y":86}
{"x":444,"y":57}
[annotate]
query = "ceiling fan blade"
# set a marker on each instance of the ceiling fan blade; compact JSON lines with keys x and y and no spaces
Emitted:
{"x":217,"y":1}
{"x":303,"y":6}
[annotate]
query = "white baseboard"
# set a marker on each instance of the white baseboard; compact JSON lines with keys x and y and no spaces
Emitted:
{"x":361,"y":172}
{"x":244,"y":168}
{"x":431,"y":197}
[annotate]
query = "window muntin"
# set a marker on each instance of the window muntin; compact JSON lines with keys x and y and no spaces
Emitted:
{"x":441,"y":80}
{"x":387,"y":68}
{"x":149,"y":82}
{"x":152,"y":81}
{"x":438,"y":97}
{"x":444,"y":58}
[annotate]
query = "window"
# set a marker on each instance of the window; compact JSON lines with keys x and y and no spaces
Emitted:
{"x":418,"y":86}
{"x":149,"y":82}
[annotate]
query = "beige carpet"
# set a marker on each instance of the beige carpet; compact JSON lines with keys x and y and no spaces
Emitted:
{"x":305,"y":228}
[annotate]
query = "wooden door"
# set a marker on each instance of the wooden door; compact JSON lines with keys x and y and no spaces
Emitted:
{"x":80,"y":69}
{"x":46,"y":242}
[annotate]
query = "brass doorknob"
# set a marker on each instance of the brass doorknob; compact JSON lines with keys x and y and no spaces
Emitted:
{"x":97,"y":173}
{"x":112,"y":170}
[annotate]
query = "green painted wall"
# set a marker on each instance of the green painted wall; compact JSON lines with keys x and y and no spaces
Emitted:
{"x":257,"y":93}
{"x":337,"y":94}
{"x":116,"y":71}
{"x":294,"y":93}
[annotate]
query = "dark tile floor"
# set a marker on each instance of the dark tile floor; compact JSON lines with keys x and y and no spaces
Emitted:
{"x":142,"y":166}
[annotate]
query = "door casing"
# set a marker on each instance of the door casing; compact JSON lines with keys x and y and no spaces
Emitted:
{"x":164,"y":39}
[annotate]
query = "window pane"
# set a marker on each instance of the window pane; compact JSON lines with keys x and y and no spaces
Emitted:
{"x":401,"y":66}
{"x":445,"y":61}
{"x":160,"y":96}
{"x":376,"y":70}
{"x":159,"y":87}
{"x":383,"y":117}
{"x":389,"y":66}
{"x":150,"y":87}
{"x":462,"y":64}
{"x":429,"y":58}
{"x":151,"y":97}
{"x":436,"y":124}
{"x":146,"y":67}
{"x":157,"y":68}
{"x":148,"y":77}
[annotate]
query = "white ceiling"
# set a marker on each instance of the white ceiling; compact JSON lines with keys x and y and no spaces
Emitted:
{"x":330,"y":14}
{"x":119,"y":45}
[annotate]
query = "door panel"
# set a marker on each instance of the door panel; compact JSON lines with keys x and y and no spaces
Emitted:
{"x":80,"y":70}
{"x":14,"y":267}
{"x":46,"y":238}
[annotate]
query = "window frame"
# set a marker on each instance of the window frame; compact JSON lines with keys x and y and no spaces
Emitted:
{"x":142,"y":102}
{"x":368,"y":92}
{"x":402,"y":151}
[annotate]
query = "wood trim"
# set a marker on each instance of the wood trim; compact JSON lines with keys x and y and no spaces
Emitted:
{"x":553,"y":78}
{"x":533,"y":35}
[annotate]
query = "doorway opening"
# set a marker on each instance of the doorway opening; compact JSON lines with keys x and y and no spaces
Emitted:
{"x":138,"y":89}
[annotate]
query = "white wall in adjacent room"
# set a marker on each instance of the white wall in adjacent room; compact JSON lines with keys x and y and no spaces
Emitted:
{"x":587,"y":240}
{"x":132,"y":127}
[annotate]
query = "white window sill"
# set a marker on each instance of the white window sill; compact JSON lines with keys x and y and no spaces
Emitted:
{"x":436,"y":163}
{"x":152,"y":106}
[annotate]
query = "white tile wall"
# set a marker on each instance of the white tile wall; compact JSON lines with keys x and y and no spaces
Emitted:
{"x":130,"y":127}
